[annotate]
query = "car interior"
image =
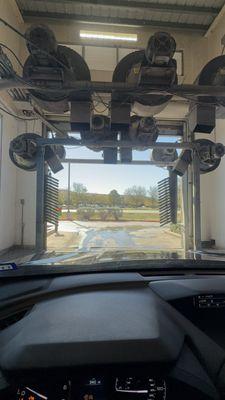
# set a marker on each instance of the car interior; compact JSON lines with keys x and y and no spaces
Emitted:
{"x":113,"y":335}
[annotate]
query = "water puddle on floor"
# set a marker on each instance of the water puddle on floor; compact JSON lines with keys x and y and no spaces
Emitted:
{"x":108,"y":238}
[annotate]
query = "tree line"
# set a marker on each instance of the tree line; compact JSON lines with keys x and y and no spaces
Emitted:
{"x":133,"y":197}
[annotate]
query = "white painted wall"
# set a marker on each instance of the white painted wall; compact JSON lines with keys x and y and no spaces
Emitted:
{"x":26,"y":189}
{"x":8,"y":11}
{"x":213,"y":184}
{"x":8,"y":186}
{"x":216,"y":194}
{"x":213,"y":196}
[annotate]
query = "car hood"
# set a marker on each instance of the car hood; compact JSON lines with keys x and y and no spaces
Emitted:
{"x":114,"y":258}
{"x":93,"y":256}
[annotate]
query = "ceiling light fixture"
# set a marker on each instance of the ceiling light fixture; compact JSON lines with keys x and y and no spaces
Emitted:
{"x":127,"y":37}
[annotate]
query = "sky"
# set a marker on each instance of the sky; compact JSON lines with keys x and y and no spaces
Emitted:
{"x":102,"y":178}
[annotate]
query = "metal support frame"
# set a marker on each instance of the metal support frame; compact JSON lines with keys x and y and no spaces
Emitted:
{"x":186,"y":202}
{"x":195,"y":183}
{"x":123,"y":87}
{"x":190,"y":206}
{"x":185,"y":232}
{"x":134,"y":162}
{"x":166,"y":127}
{"x":46,"y":169}
{"x":68,"y":191}
{"x":40,"y":179}
{"x":113,"y":20}
{"x":152,"y":6}
{"x":196,"y":200}
{"x":111,"y":143}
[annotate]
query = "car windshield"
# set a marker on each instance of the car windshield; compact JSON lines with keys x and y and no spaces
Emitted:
{"x":115,"y":208}
{"x":110,"y":212}
{"x":111,"y":144}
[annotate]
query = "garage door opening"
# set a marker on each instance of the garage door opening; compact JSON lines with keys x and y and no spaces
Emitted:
{"x":113,"y":208}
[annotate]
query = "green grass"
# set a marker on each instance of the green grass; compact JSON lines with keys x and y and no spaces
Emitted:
{"x":140,"y":209}
{"x":152,"y":217}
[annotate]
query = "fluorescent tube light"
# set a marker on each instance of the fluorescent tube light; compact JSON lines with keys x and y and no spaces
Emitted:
{"x":127,"y":37}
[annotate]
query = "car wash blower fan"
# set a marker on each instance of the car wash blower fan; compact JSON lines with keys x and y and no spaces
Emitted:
{"x":52,"y":66}
{"x":143,"y":131}
{"x":209,"y":154}
{"x":23,"y":152}
{"x":153,"y":66}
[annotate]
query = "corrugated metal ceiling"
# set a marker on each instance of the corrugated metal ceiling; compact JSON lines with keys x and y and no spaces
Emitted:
{"x":184,"y":14}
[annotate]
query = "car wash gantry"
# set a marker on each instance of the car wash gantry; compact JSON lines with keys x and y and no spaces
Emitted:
{"x":56,"y":82}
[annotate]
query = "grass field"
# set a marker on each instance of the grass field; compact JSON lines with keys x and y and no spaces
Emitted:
{"x":153,"y":217}
{"x":131,"y":216}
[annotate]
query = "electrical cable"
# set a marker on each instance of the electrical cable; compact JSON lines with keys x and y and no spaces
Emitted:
{"x":187,"y":97}
{"x":193,"y":100}
{"x":16,"y":116}
{"x":96,"y":102}
{"x":101,"y":100}
{"x":12,"y":52}
{"x":49,"y":124}
{"x":33,"y":44}
{"x":107,"y":106}
{"x":100,"y":111}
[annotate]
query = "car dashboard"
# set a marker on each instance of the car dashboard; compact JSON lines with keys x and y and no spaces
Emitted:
{"x":106,"y":386}
{"x":113,"y":336}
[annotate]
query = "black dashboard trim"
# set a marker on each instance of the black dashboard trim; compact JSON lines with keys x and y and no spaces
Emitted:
{"x":152,"y":296}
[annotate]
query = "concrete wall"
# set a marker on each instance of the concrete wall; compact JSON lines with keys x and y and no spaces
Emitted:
{"x":8,"y":176}
{"x":26,"y":190}
{"x":212,"y":185}
{"x":8,"y":185}
{"x":216,"y":194}
{"x":213,"y":196}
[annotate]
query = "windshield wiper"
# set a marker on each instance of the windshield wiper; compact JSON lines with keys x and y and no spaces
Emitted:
{"x":94,"y":254}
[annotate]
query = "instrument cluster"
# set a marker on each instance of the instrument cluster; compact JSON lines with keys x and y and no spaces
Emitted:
{"x":97,"y":388}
